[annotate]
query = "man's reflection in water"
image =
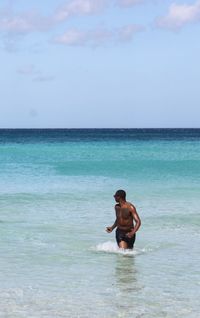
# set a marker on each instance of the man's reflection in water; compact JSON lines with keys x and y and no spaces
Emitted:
{"x":127,"y":285}
{"x":126,"y":275}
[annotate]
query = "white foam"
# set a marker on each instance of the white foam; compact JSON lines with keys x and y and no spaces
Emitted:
{"x":110,"y":247}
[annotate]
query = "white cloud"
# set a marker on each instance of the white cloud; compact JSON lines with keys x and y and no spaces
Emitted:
{"x":128,"y":3}
{"x":98,"y":37}
{"x":72,"y":37}
{"x":101,"y":36}
{"x":23,"y":23}
{"x":78,"y":7}
{"x":180,"y":15}
{"x":127,"y":32}
{"x":14,"y":24}
{"x":75,"y":37}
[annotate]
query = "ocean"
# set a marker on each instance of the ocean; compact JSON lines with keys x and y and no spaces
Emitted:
{"x":56,"y":199}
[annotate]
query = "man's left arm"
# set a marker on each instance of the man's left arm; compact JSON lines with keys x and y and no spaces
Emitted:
{"x":137,"y":220}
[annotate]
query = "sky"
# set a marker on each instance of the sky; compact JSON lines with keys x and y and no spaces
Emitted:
{"x":99,"y":64}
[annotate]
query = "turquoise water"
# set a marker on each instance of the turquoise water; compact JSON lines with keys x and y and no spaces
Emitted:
{"x":56,"y":198}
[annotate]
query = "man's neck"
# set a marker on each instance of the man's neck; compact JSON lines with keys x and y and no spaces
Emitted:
{"x":121,"y":202}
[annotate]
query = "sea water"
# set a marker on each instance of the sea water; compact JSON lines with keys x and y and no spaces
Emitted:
{"x":56,"y":198}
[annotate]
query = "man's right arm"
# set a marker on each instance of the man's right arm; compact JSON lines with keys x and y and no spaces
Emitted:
{"x":109,"y":229}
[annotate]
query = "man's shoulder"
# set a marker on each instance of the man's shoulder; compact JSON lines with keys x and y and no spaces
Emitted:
{"x":131,"y":205}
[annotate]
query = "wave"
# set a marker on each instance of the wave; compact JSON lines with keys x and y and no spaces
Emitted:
{"x":110,"y":247}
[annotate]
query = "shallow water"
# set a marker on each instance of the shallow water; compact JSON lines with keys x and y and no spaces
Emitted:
{"x":56,"y":198}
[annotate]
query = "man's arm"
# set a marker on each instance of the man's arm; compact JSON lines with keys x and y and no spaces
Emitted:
{"x":137,"y":221}
{"x":109,"y":229}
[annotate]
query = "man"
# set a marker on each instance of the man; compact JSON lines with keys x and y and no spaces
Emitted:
{"x":126,"y":214}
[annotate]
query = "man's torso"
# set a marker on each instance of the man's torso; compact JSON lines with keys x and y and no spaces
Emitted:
{"x":124,"y":217}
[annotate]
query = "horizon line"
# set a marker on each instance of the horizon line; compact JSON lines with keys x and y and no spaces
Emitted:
{"x":93,"y":128}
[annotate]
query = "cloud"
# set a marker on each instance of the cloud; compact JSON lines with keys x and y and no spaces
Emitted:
{"x":19,"y":24}
{"x":23,"y":23}
{"x":14,"y":26}
{"x":28,"y":70}
{"x":128,"y":3}
{"x":127,"y":32}
{"x":32,"y":21}
{"x":98,"y":37}
{"x":73,"y":37}
{"x":180,"y":15}
{"x":36,"y":75}
{"x":44,"y":78}
{"x":79,"y":7}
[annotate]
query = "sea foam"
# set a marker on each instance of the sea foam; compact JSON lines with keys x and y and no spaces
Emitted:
{"x":110,"y":247}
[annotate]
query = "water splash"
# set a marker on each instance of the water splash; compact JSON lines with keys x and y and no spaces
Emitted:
{"x":110,"y":247}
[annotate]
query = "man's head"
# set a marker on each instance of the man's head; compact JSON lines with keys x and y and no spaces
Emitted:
{"x":120,"y":195}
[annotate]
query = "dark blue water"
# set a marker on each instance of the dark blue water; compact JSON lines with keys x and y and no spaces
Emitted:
{"x":67,"y":135}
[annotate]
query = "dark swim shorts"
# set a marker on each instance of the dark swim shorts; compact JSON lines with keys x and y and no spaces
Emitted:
{"x":121,"y":236}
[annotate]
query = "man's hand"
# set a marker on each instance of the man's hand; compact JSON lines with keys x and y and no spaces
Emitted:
{"x":130,"y":234}
{"x":109,"y":229}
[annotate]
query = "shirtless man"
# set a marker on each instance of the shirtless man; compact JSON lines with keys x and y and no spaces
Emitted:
{"x":126,"y":214}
